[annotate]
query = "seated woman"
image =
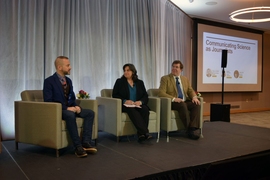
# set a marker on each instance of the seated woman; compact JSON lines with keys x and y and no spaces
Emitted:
{"x":132,"y":92}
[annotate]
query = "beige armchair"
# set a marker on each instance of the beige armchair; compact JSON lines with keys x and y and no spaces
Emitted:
{"x":115,"y":122}
{"x":169,"y":119}
{"x":40,"y":123}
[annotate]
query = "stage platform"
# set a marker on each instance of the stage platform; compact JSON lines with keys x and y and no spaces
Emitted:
{"x":227,"y":151}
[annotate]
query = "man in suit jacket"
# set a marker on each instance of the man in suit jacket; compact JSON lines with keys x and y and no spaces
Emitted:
{"x":184,"y":99}
{"x":58,"y":88}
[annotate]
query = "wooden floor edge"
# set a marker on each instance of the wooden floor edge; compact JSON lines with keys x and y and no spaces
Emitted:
{"x":242,"y":111}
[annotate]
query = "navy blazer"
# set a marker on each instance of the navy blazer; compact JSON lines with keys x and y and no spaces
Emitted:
{"x":121,"y":91}
{"x":53,"y":91}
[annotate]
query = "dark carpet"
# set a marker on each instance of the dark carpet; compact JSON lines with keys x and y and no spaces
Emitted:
{"x":222,"y":142}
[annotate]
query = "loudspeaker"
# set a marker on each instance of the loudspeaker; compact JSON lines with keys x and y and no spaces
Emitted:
{"x":224,"y":58}
{"x":220,"y":112}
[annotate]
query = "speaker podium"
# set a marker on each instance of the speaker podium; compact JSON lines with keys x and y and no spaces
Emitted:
{"x":220,"y":112}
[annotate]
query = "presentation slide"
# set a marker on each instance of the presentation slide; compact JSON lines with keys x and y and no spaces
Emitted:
{"x":241,"y":59}
{"x":243,"y":70}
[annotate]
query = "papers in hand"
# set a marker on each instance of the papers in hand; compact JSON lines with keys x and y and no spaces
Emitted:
{"x":132,"y":105}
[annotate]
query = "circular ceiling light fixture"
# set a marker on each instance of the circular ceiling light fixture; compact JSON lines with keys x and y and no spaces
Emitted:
{"x":211,"y":3}
{"x":252,"y":10}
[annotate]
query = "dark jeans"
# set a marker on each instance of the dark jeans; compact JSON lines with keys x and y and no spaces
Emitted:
{"x":88,"y":119}
{"x":139,"y":117}
{"x":188,"y":112}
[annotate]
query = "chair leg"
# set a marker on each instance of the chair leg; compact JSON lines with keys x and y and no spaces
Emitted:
{"x":117,"y":138}
{"x":128,"y":139}
{"x":57,"y":152}
{"x":201,"y":135}
{"x":16,"y":145}
{"x":157,"y":137}
{"x":168,"y":137}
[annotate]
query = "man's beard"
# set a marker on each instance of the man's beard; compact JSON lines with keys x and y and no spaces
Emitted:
{"x":66,"y":72}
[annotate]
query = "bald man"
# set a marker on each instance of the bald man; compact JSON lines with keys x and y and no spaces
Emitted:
{"x":58,"y":88}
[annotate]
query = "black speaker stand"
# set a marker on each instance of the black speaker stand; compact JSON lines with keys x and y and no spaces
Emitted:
{"x":221,"y":112}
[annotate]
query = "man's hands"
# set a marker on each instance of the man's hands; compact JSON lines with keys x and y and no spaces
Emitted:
{"x":178,"y":100}
{"x":75,"y":109}
{"x":194,"y":100}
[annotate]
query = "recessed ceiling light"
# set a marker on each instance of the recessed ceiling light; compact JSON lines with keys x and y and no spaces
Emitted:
{"x":211,"y":3}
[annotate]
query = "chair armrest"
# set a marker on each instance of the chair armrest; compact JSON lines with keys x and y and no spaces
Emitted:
{"x":110,"y":112}
{"x":87,"y":104}
{"x":38,"y":123}
{"x":165,"y":109}
{"x":93,"y":105}
{"x":154,"y":104}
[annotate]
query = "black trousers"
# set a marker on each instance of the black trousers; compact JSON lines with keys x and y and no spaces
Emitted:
{"x":139,"y":117}
{"x":188,"y":112}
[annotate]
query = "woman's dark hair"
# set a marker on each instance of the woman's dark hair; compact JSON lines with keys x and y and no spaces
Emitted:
{"x":133,"y":69}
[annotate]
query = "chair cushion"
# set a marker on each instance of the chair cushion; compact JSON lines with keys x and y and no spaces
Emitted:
{"x":32,"y":95}
{"x":153,"y":92}
{"x":106,"y":93}
{"x":125,"y":117}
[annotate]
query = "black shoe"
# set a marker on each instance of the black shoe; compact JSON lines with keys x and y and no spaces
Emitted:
{"x":192,"y":136}
{"x":141,"y":138}
{"x":80,"y":152}
{"x":89,"y":149}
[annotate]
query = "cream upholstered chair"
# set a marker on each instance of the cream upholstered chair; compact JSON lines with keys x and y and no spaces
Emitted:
{"x":115,"y":122}
{"x":169,"y":119}
{"x":40,"y":123}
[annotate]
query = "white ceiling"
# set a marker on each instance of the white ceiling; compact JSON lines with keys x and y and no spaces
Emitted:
{"x":219,"y":11}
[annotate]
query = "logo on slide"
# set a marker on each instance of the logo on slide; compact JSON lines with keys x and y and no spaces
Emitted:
{"x":208,"y":72}
{"x":236,"y":74}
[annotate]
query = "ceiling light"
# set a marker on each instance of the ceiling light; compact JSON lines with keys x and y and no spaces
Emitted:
{"x":252,"y":10}
{"x":211,"y":3}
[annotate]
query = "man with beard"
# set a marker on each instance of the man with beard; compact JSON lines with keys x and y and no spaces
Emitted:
{"x":58,"y":88}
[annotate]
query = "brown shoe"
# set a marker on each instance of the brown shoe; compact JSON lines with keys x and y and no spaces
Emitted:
{"x":89,"y":149}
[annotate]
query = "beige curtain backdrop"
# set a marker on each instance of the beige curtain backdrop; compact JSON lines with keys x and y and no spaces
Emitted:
{"x":99,"y":37}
